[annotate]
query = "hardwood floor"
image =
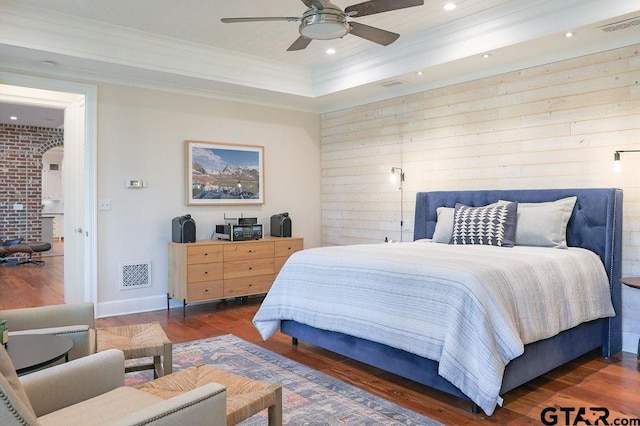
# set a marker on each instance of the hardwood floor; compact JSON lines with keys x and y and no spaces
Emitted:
{"x":586,"y":383}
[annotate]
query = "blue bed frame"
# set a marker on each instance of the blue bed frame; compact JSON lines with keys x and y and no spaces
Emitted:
{"x":596,"y":224}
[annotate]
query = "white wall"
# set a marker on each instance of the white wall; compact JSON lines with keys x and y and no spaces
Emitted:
{"x":551,"y":126}
{"x":141,"y":135}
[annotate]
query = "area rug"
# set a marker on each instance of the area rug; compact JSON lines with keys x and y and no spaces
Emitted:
{"x":309,"y":397}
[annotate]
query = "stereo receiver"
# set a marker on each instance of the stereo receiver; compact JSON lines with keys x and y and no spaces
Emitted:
{"x":238,"y":232}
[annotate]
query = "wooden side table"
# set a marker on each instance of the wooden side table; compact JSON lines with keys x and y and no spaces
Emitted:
{"x":635,"y":283}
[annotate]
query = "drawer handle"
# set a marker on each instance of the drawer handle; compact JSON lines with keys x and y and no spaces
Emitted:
{"x":206,"y":254}
{"x":206,"y":290}
{"x":250,"y":267}
{"x":250,"y":251}
{"x":206,"y":272}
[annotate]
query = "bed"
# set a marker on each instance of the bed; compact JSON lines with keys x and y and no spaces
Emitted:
{"x":593,"y":231}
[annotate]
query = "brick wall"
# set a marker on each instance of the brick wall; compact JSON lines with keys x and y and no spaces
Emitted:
{"x":21,"y":150}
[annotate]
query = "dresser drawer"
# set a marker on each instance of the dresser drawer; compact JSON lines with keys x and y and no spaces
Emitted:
{"x":278,"y":263}
{"x":248,"y":285}
{"x":204,"y":272}
{"x":205,"y":290}
{"x":204,"y":254}
{"x":248,"y":268}
{"x":287,"y":246}
{"x":244,"y":251}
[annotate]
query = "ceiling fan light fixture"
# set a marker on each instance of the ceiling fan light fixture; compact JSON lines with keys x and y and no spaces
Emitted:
{"x":325,"y":21}
{"x":327,"y":25}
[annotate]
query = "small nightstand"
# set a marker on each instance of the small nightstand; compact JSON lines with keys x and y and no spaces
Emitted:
{"x":635,"y":283}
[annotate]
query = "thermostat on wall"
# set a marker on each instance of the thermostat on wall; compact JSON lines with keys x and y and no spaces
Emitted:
{"x":136,"y":183}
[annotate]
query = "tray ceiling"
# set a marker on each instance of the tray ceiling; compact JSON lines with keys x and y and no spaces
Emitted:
{"x":183,"y":46}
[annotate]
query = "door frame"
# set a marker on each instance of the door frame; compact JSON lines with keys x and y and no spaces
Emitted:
{"x":47,"y":92}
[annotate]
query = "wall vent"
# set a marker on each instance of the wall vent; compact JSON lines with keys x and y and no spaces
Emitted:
{"x":392,"y":83}
{"x":621,"y":25}
{"x":135,"y":275}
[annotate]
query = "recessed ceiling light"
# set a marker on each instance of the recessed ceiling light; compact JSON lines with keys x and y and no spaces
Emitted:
{"x":330,"y":51}
{"x":13,"y":117}
{"x":486,"y":55}
{"x":449,"y":6}
{"x":568,"y":34}
{"x":419,"y":73}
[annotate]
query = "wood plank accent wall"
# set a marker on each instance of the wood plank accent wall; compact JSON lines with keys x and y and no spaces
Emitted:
{"x":551,"y":126}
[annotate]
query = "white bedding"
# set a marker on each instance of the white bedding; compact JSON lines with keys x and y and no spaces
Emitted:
{"x":471,"y":308}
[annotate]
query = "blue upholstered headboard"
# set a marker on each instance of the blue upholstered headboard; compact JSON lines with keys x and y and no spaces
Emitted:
{"x":596,"y":224}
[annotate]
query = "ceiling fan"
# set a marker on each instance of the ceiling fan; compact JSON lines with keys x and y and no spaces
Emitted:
{"x":325,"y":21}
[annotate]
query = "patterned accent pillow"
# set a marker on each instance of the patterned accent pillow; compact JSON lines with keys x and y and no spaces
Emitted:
{"x":493,"y":225}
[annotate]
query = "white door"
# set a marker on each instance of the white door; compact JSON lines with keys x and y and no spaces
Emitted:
{"x":75,"y":228}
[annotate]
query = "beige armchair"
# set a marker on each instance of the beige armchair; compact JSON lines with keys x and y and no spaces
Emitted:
{"x":91,"y":391}
{"x":73,"y":320}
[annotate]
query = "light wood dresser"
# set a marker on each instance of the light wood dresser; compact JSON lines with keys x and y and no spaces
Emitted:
{"x":214,"y":269}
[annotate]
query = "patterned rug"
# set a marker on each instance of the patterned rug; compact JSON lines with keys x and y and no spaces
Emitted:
{"x":309,"y":397}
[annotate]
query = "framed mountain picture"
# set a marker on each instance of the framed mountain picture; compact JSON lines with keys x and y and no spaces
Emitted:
{"x":224,"y":174}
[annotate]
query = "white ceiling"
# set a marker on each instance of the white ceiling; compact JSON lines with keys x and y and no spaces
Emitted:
{"x":183,"y":46}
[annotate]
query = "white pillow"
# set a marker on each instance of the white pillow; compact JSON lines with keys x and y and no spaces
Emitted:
{"x":444,"y":225}
{"x":544,"y":224}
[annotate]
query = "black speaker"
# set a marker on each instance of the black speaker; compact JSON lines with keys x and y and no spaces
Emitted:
{"x":183,"y":229}
{"x":281,"y":225}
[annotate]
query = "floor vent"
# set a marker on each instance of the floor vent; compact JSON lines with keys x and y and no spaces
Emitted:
{"x":135,"y":275}
{"x":621,"y":25}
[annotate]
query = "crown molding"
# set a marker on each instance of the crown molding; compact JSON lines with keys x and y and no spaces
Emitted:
{"x":518,"y":23}
{"x":107,"y":44}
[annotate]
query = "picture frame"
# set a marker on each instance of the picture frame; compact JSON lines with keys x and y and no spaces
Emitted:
{"x":224,"y":174}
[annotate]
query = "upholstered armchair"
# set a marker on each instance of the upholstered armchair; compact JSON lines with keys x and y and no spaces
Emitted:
{"x":73,"y":320}
{"x":91,"y":391}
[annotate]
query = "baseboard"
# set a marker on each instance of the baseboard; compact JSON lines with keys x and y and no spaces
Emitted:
{"x":147,"y":304}
{"x":630,"y":342}
{"x":134,"y":306}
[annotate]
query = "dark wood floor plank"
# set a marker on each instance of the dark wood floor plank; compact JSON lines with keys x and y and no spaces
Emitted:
{"x":590,"y":381}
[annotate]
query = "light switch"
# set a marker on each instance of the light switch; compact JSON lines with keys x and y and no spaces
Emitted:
{"x":104,"y":205}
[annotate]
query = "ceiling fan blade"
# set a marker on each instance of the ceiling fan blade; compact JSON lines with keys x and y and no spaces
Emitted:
{"x":299,"y":44}
{"x":260,"y":19}
{"x":378,"y":6}
{"x":311,"y":3}
{"x":373,"y":34}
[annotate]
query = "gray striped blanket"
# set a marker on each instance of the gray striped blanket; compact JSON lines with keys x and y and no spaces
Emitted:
{"x":471,"y":308}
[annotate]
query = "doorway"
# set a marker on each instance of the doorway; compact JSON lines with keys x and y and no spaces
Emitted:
{"x":79,"y":102}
